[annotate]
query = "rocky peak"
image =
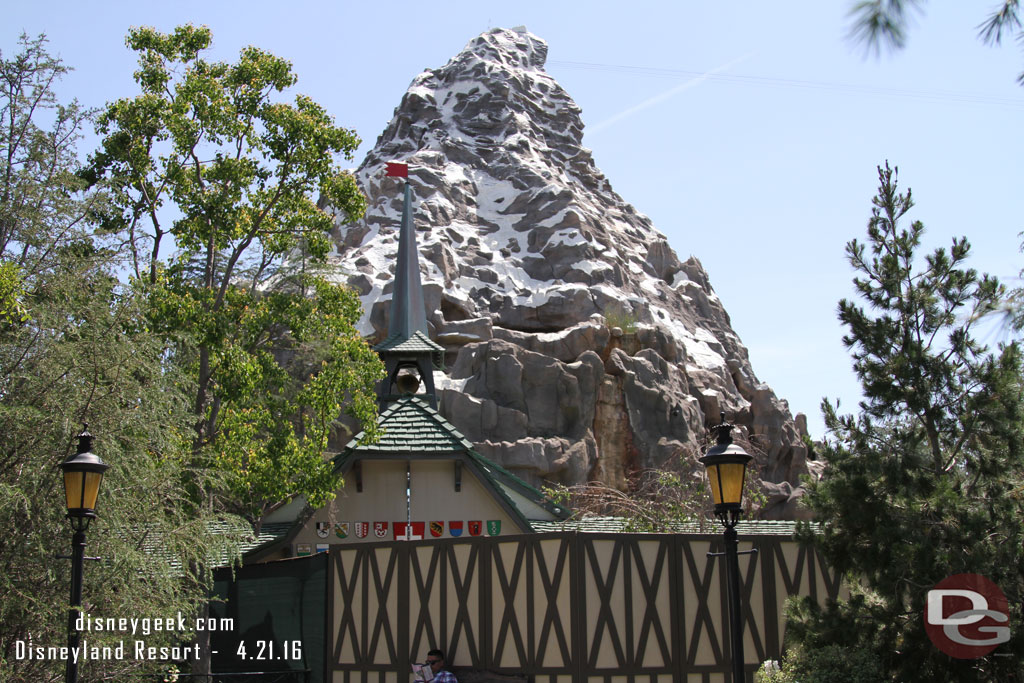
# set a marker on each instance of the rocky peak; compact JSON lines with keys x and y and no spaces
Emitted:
{"x":579,"y":344}
{"x":516,"y":48}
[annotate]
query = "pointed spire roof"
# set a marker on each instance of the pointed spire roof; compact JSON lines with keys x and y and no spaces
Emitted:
{"x":407,"y":328}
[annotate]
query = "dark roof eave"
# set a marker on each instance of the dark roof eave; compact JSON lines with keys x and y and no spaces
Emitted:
{"x":529,"y":492}
{"x":343,"y":462}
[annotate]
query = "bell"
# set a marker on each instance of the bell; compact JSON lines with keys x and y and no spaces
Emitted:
{"x":407,"y":383}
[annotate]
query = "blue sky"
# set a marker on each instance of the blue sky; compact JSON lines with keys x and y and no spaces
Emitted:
{"x":749,"y":133}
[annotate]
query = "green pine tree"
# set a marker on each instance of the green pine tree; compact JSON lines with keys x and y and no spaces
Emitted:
{"x":926,"y":480}
{"x":885,"y":22}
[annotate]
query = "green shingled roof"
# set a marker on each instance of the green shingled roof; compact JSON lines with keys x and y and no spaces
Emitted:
{"x":598,"y":524}
{"x":410,"y":426}
{"x":269,"y":533}
{"x":154,"y":543}
{"x":413,"y":429}
{"x":417,"y":342}
{"x":506,"y":482}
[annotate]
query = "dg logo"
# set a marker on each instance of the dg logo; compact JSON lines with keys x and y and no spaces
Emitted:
{"x":967,"y":616}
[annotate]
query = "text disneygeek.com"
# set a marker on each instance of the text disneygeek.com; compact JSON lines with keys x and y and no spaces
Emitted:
{"x":135,"y":648}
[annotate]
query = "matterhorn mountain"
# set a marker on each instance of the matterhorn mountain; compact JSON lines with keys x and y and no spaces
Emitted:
{"x":578,"y":347}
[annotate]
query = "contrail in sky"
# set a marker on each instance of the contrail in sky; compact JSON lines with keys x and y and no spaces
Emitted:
{"x":658,"y":99}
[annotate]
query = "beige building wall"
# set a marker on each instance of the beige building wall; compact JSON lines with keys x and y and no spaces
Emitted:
{"x":383,"y":499}
{"x":387,"y":497}
{"x":433,"y":498}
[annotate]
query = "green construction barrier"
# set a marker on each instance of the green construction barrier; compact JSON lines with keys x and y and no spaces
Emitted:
{"x":278,"y":619}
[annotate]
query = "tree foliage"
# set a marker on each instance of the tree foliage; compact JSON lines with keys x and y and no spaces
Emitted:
{"x":213,"y":183}
{"x":665,"y":499}
{"x":829,"y":664}
{"x":74,"y":348}
{"x":40,"y":206}
{"x":926,"y":481}
{"x":170,"y":296}
{"x":885,"y":22}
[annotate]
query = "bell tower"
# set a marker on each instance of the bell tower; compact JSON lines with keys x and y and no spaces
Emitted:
{"x":409,"y":354}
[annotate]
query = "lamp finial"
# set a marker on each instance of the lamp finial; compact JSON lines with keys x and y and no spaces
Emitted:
{"x":84,"y":439}
{"x":724,"y":429}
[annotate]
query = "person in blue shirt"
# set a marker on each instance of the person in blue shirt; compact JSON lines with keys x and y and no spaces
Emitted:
{"x":435,"y":660}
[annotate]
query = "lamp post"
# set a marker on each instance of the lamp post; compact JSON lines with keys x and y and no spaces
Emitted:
{"x":726,"y":465}
{"x":83,"y":473}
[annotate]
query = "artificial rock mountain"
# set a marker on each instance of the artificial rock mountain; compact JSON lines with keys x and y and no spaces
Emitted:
{"x":578,"y":346}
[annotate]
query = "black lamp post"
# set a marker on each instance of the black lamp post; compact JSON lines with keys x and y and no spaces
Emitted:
{"x":726,"y":465}
{"x":83,"y":473}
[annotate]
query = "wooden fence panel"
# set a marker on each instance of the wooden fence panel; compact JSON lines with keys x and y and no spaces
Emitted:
{"x":365,"y":614}
{"x":562,"y":608}
{"x":510,"y":598}
{"x":627,"y":609}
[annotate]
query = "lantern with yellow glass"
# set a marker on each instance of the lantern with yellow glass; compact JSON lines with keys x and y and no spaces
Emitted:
{"x":726,"y":465}
{"x":83,"y":474}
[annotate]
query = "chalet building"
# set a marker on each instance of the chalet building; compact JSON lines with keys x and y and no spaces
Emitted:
{"x":422,"y":479}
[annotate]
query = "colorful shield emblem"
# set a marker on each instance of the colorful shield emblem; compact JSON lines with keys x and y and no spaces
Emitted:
{"x":380,"y":529}
{"x":436,"y":529}
{"x":362,"y":529}
{"x":303,"y":549}
{"x":322,"y":547}
{"x":341,"y":529}
{"x":415,"y":531}
{"x":493,"y":527}
{"x":323,"y":529}
{"x":455,"y":528}
{"x":476,"y":527}
{"x":399,"y":531}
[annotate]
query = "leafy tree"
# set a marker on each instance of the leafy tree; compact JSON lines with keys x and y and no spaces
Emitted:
{"x":884,"y":22}
{"x":39,"y":202}
{"x":926,"y":481}
{"x":213,"y":181}
{"x":74,"y":348}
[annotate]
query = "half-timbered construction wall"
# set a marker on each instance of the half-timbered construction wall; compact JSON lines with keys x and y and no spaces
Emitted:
{"x":565,"y":607}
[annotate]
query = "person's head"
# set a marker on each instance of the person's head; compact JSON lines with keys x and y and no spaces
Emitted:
{"x":435,"y":659}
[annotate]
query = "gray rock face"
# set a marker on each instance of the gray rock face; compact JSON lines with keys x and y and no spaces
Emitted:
{"x":579,"y":346}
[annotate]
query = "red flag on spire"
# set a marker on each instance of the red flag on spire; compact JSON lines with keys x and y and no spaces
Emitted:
{"x":397,"y":170}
